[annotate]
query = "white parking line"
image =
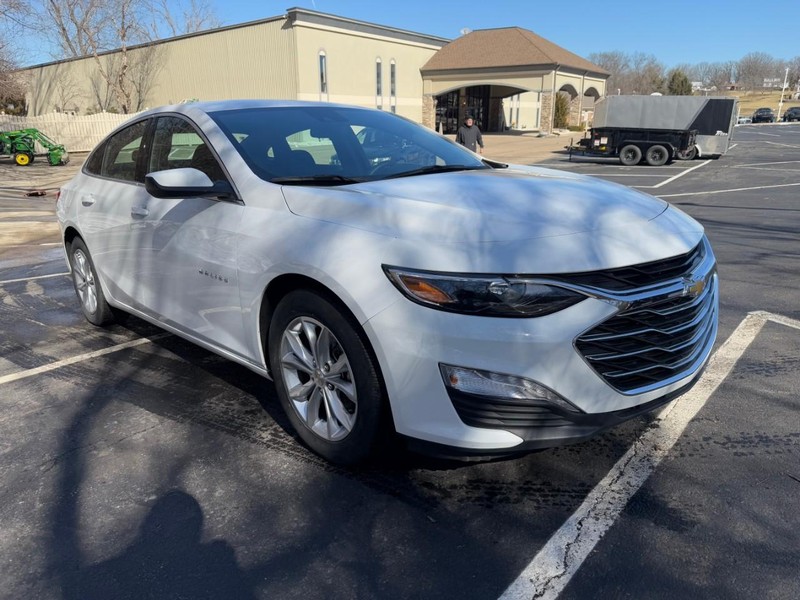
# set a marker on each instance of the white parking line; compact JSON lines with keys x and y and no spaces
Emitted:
{"x":32,"y":278}
{"x":620,"y":175}
{"x":557,"y":562}
{"x":681,"y":174}
{"x":783,"y":145}
{"x":80,"y":358}
{"x":747,"y":189}
{"x":762,"y":164}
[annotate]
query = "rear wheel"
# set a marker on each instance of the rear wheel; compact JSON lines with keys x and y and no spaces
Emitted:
{"x":326,"y":378}
{"x":630,"y":155}
{"x":690,"y":154}
{"x":656,"y":155}
{"x":87,"y":286}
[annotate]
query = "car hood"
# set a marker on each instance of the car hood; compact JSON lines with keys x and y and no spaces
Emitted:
{"x":479,"y":206}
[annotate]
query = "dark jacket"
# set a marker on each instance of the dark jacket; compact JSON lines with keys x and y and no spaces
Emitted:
{"x":470,"y":137}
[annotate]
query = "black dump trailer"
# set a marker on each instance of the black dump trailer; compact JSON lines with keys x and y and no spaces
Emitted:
{"x":634,"y":144}
{"x":686,"y":126}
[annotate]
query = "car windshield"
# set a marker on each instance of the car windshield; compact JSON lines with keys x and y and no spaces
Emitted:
{"x":328,"y":145}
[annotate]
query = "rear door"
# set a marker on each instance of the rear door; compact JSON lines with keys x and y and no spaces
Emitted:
{"x":107,"y":199}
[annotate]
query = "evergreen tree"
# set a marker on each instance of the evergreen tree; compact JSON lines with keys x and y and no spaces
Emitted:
{"x":679,"y":84}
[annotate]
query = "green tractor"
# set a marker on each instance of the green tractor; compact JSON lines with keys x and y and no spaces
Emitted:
{"x":21,"y":145}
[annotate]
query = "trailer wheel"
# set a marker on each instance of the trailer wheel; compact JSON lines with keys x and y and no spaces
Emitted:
{"x":690,"y":154}
{"x":656,"y":155}
{"x":23,"y":159}
{"x":630,"y":155}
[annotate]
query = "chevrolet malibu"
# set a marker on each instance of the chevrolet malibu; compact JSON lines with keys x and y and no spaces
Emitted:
{"x":469,"y":306}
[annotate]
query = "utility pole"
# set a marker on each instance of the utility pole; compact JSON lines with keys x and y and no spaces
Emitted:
{"x":783,"y":89}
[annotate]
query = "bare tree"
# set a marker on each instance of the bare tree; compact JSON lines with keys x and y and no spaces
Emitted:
{"x":178,"y":17}
{"x":754,"y":68}
{"x":793,"y":65}
{"x":647,"y":74}
{"x":720,"y":74}
{"x":95,"y":28}
{"x":14,"y":12}
{"x":617,"y":64}
{"x":12,"y":85}
{"x":636,"y":73}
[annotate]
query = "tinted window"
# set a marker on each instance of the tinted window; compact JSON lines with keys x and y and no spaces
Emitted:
{"x":95,"y":161}
{"x":177,"y":144}
{"x":308,"y":141}
{"x":121,"y":152}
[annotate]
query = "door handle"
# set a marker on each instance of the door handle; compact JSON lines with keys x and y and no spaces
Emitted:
{"x":87,"y":199}
{"x":139,"y":211}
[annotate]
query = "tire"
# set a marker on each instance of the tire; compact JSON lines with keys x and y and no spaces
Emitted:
{"x":630,"y":155}
{"x":327,"y":378}
{"x":690,"y":154}
{"x":656,"y":155}
{"x":23,"y":159}
{"x":87,"y":285}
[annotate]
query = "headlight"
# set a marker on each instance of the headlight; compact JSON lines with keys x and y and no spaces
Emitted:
{"x":488,"y":296}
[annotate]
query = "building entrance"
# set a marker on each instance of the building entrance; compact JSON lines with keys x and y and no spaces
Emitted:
{"x":453,"y":107}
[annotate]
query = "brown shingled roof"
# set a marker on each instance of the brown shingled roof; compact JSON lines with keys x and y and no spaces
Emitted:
{"x":505,"y":47}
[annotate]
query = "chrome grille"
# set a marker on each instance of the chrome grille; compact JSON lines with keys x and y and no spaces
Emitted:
{"x":638,"y":276}
{"x":657,"y":341}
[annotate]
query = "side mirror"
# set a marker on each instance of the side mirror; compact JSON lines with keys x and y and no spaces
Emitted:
{"x":185,"y":183}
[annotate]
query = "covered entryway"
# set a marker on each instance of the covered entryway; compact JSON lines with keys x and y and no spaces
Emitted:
{"x":507,"y":79}
{"x":494,"y":108}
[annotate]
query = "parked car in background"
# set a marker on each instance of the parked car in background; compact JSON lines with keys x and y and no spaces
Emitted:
{"x":792,"y":114}
{"x":743,"y":120}
{"x":763,"y":115}
{"x":407,"y":286}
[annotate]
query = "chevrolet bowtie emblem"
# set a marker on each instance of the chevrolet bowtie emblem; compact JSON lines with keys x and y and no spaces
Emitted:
{"x":693,"y":287}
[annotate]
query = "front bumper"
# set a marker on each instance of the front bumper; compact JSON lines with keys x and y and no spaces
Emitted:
{"x":544,"y":350}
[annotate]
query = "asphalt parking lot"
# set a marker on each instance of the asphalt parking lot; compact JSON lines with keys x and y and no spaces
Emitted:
{"x":136,"y":465}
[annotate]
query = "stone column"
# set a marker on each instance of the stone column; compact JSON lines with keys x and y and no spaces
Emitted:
{"x":574,"y":117}
{"x":546,"y":114}
{"x":429,"y":110}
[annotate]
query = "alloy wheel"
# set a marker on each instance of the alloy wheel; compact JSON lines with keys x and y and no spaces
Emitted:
{"x":84,"y":281}
{"x":318,"y":378}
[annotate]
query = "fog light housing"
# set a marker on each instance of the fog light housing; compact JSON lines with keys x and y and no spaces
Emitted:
{"x":501,"y":386}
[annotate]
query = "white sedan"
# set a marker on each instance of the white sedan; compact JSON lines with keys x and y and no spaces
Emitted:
{"x":404,"y":286}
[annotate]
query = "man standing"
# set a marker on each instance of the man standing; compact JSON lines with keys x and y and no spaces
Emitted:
{"x":470,"y":136}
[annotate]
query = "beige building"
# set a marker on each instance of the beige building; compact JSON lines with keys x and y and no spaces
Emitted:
{"x":505,"y":77}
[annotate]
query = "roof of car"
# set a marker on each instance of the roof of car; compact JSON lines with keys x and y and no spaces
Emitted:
{"x":220,"y":105}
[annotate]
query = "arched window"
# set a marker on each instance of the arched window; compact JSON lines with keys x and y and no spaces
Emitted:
{"x":393,"y":86}
{"x":378,"y":84}
{"x":323,"y":76}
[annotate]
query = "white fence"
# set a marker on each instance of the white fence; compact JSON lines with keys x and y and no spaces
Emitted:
{"x":77,"y":133}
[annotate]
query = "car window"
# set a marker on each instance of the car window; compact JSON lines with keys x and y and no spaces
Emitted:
{"x":177,"y":144}
{"x":121,"y":152}
{"x":320,"y":148}
{"x":350,"y":144}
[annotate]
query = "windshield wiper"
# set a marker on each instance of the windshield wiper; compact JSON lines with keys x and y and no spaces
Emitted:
{"x":436,"y":169}
{"x":316,"y":180}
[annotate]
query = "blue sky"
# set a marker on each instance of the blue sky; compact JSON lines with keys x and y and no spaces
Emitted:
{"x":674,"y":31}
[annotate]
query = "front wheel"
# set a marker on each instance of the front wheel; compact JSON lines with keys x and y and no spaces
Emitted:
{"x":23,"y":159}
{"x":87,"y":286}
{"x":326,"y":377}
